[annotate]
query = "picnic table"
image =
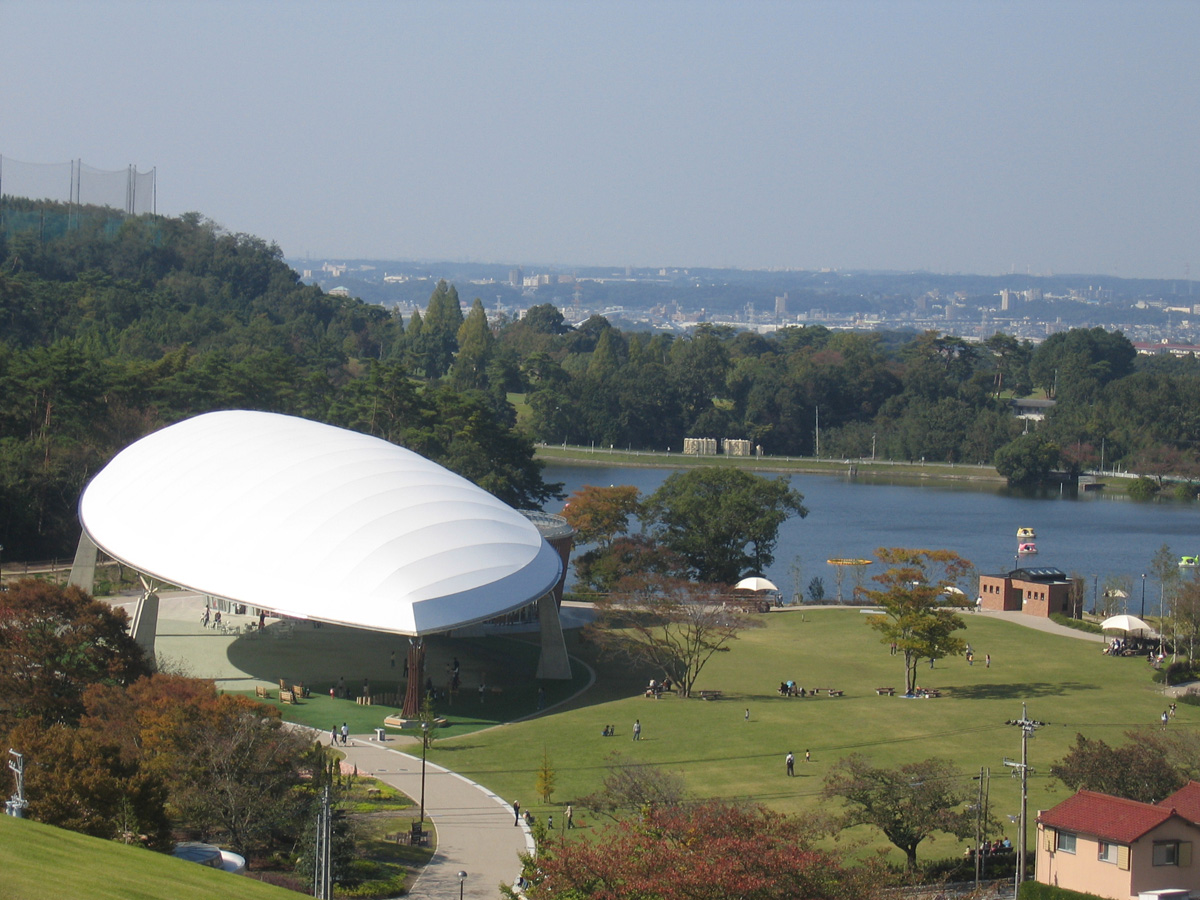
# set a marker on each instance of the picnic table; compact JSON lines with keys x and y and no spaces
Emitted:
{"x":709,"y":695}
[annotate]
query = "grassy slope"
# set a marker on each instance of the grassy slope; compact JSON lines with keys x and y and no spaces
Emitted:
{"x":43,"y":863}
{"x":1066,"y":681}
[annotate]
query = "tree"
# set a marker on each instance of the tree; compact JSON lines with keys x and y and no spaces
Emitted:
{"x":917,"y":616}
{"x":80,"y":781}
{"x":724,"y":521}
{"x":438,"y":337}
{"x":1140,"y":770}
{"x":708,"y":851}
{"x":631,"y":788}
{"x":1027,"y":460}
{"x":54,"y":643}
{"x":600,"y":515}
{"x":475,"y":345}
{"x":601,"y":569}
{"x":672,"y":625}
{"x":546,"y":777}
{"x":908,"y":803}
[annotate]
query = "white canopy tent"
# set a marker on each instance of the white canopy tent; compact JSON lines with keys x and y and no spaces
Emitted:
{"x":316,"y":522}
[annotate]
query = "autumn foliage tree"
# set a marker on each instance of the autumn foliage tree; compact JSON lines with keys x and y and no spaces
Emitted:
{"x":707,"y":851}
{"x":918,"y":616}
{"x":55,"y":642}
{"x":671,"y":625}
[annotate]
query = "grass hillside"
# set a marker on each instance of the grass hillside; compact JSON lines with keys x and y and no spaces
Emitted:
{"x":1066,"y":681}
{"x":43,"y":863}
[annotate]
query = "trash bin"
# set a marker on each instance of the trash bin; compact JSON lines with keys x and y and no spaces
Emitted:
{"x":380,"y":735}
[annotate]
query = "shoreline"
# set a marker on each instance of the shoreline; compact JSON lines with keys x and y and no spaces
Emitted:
{"x":582,"y":456}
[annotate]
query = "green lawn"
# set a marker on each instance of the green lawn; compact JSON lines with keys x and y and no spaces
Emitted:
{"x":1067,"y":682}
{"x":43,"y":863}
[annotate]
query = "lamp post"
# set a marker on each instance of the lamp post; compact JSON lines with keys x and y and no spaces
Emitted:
{"x":462,"y":880}
{"x":424,"y":745}
{"x":1143,"y":616}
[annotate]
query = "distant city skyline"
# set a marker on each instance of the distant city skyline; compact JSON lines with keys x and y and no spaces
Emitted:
{"x":979,"y":138}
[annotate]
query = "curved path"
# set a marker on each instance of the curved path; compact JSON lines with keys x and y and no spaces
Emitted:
{"x":475,"y":831}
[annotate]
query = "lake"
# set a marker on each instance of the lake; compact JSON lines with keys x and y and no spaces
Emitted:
{"x":1092,"y":535}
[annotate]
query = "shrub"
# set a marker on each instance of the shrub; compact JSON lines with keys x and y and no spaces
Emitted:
{"x":1143,"y":489}
{"x":1078,"y":624}
{"x":1035,"y":890}
{"x":1179,"y":672}
{"x":1185,"y":490}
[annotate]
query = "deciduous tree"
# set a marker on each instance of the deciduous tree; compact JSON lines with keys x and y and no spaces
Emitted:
{"x":724,"y":521}
{"x":674,"y":626}
{"x":55,"y":642}
{"x":908,"y":803}
{"x":1138,"y":770}
{"x":917,"y":616}
{"x":709,"y":851}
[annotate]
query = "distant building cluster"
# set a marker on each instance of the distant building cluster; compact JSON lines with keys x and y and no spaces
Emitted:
{"x":712,"y":447}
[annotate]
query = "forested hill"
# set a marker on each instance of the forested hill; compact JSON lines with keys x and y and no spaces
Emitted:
{"x":111,"y":327}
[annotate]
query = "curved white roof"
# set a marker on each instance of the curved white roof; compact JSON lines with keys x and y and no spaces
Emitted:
{"x":315,"y":521}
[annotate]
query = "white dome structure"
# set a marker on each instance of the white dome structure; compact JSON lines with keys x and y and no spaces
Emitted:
{"x":317,"y":522}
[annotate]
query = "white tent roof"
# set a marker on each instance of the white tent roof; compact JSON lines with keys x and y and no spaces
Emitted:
{"x":315,"y":521}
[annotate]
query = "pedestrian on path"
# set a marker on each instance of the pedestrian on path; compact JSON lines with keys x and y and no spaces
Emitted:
{"x":516,"y":812}
{"x":790,"y":760}
{"x":570,"y":816}
{"x":345,"y":733}
{"x":637,"y":729}
{"x":333,"y":732}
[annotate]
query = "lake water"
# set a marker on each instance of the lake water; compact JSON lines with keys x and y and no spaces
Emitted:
{"x":1093,"y":535}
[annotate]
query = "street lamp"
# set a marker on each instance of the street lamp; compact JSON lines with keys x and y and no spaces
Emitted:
{"x":424,"y":745}
{"x":1143,"y":616}
{"x":462,"y":879}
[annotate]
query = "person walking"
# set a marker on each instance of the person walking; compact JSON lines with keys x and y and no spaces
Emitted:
{"x":808,"y":756}
{"x":790,"y":760}
{"x":570,"y":816}
{"x":345,"y":733}
{"x":516,"y":812}
{"x":747,"y":714}
{"x":637,"y":729}
{"x":987,"y":660}
{"x":550,"y":822}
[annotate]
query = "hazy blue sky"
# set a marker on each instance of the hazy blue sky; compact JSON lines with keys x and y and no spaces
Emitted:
{"x":957,"y":136}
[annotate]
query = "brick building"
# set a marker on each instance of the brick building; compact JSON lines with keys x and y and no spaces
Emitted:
{"x":1033,"y":591}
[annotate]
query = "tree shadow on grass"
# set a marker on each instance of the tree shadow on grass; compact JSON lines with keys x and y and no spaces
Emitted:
{"x":1017,"y":690}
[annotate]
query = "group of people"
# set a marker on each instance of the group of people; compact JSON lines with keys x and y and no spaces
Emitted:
{"x":990,"y":848}
{"x":789,"y":688}
{"x":655,"y":688}
{"x":343,"y":733}
{"x":790,"y":761}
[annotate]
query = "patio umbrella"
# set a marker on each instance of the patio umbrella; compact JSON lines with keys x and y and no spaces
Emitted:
{"x":754,"y":583}
{"x":1125,"y":623}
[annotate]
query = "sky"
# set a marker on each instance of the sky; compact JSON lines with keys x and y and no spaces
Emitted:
{"x":981,"y":137}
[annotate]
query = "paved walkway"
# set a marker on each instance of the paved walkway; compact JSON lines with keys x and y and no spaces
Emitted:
{"x":474,"y":827}
{"x":475,"y":831}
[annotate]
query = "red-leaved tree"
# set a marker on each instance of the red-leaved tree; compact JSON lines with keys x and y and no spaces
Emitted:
{"x":707,"y":851}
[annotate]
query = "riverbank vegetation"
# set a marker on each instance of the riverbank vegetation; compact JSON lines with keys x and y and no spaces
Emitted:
{"x":112,"y":327}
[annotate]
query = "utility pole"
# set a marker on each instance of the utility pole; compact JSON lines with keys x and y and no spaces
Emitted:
{"x":981,"y":818}
{"x":1027,"y":726}
{"x":323,"y":855}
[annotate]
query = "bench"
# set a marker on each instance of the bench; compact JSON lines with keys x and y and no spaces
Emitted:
{"x":287,"y":697}
{"x":261,"y":692}
{"x":833,"y":693}
{"x":891,"y":692}
{"x":301,"y":691}
{"x":709,"y":695}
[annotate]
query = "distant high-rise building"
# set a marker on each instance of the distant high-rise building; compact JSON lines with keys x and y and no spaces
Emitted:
{"x":516,"y":277}
{"x":781,"y":305}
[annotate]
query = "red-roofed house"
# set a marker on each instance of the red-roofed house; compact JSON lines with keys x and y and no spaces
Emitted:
{"x":1118,"y":848}
{"x":1185,"y":801}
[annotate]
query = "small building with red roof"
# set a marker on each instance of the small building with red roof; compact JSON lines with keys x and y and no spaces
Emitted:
{"x":1113,"y":847}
